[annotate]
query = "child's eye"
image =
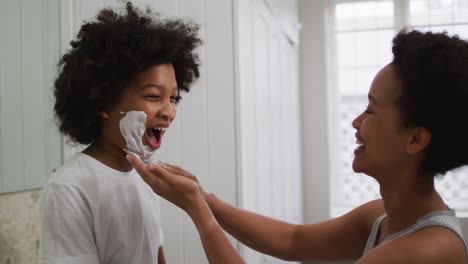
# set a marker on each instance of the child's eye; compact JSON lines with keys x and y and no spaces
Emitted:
{"x":176,"y":99}
{"x":152,"y":96}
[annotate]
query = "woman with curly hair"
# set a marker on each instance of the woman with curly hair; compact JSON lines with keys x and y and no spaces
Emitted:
{"x":116,"y":92}
{"x":413,"y":130}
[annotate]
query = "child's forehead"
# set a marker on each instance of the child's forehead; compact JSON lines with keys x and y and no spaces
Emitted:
{"x":161,"y":74}
{"x":145,"y":84}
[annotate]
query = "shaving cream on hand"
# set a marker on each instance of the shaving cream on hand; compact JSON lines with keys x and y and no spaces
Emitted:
{"x":133,"y":127}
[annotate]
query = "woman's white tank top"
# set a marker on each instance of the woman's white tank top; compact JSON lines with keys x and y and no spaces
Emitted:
{"x":445,"y":219}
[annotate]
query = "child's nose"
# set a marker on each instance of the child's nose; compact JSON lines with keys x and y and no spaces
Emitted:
{"x":167,"y":111}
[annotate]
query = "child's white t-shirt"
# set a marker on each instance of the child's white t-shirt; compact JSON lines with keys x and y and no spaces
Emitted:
{"x":91,"y":213}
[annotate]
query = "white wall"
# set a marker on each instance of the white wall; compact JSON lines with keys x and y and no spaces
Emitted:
{"x":314,"y":110}
{"x":269,"y":119}
{"x":30,"y":49}
{"x":315,"y":141}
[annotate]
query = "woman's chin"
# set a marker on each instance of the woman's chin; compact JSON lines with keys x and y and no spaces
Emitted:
{"x":356,"y":167}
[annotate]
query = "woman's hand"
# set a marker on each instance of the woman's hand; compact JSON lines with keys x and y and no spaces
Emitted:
{"x":170,"y":182}
{"x":174,"y":169}
{"x":182,"y":189}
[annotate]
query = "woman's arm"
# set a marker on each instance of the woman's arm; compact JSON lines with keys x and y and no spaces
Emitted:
{"x":337,"y":239}
{"x":161,"y":257}
{"x":217,"y":247}
{"x":258,"y":232}
{"x":185,"y":193}
{"x":341,"y":238}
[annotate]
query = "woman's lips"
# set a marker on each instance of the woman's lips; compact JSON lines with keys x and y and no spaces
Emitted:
{"x":360,"y":149}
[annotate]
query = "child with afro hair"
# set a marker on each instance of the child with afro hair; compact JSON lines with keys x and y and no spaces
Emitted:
{"x":96,"y":208}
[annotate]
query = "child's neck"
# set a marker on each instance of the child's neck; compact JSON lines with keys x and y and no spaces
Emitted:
{"x":109,"y":155}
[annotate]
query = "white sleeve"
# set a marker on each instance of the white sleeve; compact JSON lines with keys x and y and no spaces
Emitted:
{"x":160,"y":229}
{"x":67,"y":233}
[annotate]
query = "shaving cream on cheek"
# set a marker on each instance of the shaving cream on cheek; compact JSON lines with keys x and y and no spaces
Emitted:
{"x":133,"y":127}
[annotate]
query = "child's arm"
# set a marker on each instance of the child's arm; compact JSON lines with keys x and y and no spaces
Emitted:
{"x":184,"y":193}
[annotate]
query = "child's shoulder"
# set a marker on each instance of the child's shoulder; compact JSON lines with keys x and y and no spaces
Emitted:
{"x":72,"y":171}
{"x":88,"y":174}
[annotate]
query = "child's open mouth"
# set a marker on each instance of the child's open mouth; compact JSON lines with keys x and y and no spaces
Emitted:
{"x":154,"y":136}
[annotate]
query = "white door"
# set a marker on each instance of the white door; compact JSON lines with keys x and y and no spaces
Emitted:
{"x":269,"y":130}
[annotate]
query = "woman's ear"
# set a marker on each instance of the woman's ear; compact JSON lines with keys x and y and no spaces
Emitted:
{"x":419,"y":140}
{"x":103,"y":114}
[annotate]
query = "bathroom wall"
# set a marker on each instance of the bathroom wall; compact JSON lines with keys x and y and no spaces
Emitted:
{"x":19,"y":227}
{"x":30,"y":146}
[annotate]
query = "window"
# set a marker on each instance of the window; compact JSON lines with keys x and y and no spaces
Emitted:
{"x":361,"y":33}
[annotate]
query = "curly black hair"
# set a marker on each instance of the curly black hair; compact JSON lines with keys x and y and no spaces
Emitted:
{"x":433,"y":68}
{"x":108,"y":53}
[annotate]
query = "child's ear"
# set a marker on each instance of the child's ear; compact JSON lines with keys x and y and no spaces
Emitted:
{"x":419,"y":140}
{"x":103,"y":114}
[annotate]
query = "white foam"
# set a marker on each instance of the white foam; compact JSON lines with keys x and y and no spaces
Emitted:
{"x":133,"y":127}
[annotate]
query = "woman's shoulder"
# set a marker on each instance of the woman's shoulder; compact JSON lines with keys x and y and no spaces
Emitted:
{"x":368,"y":213}
{"x":433,"y":244}
{"x":443,"y":242}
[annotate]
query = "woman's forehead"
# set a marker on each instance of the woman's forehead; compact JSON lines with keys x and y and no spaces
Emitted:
{"x":386,"y":85}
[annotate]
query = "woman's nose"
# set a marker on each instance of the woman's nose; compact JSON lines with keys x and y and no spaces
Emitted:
{"x":357,"y":121}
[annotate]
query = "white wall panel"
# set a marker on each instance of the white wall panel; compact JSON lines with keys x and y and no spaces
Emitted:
{"x":30,"y":149}
{"x":11,"y":99}
{"x":314,"y":98}
{"x":262,"y":128}
{"x":270,"y":153}
{"x":277,"y":127}
{"x":219,"y":76}
{"x":314,"y":111}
